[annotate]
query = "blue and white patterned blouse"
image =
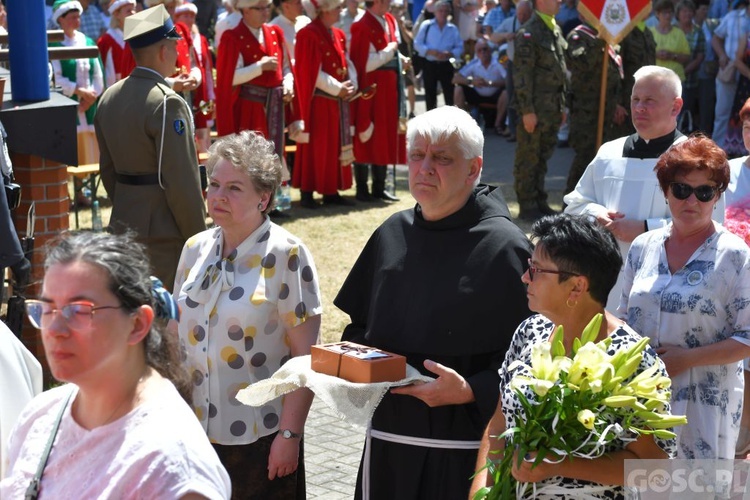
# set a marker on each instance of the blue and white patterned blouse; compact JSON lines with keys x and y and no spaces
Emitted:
{"x":705,"y":302}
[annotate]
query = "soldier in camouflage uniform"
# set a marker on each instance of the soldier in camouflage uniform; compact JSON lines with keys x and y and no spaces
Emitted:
{"x":637,"y":49}
{"x":540,"y":86}
{"x":583,"y":58}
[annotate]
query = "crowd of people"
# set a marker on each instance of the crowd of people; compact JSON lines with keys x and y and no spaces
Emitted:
{"x":450,"y":284}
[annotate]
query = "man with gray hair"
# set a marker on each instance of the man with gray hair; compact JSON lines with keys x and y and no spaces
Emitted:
{"x":441,"y":285}
{"x":619,"y":187}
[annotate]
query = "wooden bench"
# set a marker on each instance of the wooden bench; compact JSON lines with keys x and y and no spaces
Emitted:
{"x":88,"y":175}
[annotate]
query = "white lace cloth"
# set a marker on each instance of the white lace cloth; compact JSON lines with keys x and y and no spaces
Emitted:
{"x":352,"y":402}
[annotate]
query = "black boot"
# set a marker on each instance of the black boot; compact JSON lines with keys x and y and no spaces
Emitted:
{"x":545,"y":208}
{"x":529,"y":211}
{"x":379,"y":173}
{"x":336,"y":199}
{"x":361,"y":173}
{"x":307,"y":200}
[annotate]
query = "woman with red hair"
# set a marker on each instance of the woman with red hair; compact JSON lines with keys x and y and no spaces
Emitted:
{"x":687,"y":288}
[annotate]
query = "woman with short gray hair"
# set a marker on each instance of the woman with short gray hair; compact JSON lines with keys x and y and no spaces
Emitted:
{"x":249,"y":299}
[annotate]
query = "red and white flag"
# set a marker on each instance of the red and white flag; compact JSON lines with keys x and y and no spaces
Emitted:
{"x":614,"y":18}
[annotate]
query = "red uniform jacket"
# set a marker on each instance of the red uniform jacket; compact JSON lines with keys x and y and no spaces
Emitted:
{"x":107,"y":44}
{"x":234,"y":114}
{"x":317,"y":164}
{"x":386,"y":145}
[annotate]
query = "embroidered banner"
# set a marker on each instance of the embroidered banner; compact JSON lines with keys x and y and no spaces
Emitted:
{"x":614,"y":18}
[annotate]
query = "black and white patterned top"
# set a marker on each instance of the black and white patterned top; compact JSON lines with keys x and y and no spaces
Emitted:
{"x":538,"y":329}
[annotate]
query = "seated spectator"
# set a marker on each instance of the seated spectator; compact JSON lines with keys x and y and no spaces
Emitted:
{"x":482,"y":81}
{"x":123,"y":428}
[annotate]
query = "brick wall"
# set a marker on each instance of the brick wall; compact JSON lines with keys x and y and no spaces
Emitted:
{"x":46,"y":183}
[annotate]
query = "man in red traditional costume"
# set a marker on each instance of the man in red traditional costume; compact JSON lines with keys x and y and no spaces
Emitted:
{"x":378,"y":139}
{"x":187,"y":76}
{"x":253,"y":76}
{"x":325,"y":83}
{"x":111,"y":44}
{"x":203,"y":96}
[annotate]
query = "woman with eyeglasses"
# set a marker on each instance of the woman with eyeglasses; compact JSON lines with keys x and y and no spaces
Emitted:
{"x":687,"y":288}
{"x":125,"y":430}
{"x":249,"y":300}
{"x":574,"y":266}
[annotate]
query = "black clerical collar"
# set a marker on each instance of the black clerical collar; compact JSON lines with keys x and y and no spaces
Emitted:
{"x":635,"y":147}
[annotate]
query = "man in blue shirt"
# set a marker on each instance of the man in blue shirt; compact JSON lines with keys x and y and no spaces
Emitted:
{"x":438,"y":41}
{"x":496,"y":16}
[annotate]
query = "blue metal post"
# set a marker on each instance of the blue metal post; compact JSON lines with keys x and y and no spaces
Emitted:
{"x":27,"y":41}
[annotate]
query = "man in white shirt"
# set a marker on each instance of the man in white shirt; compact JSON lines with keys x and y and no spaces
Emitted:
{"x":291,"y":19}
{"x":226,"y":22}
{"x":619,"y":187}
{"x":482,"y":81}
{"x":350,"y":14}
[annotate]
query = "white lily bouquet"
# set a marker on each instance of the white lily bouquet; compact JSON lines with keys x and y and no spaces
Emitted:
{"x":579,"y":405}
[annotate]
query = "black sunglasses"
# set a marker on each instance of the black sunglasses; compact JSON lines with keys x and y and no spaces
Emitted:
{"x":704,"y":193}
{"x":533,"y":270}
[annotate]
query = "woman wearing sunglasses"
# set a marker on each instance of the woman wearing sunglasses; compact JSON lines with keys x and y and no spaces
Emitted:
{"x":574,"y":266}
{"x":124,"y":430}
{"x":687,"y":288}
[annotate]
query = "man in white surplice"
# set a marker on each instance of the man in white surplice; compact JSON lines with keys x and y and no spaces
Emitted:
{"x":619,"y":187}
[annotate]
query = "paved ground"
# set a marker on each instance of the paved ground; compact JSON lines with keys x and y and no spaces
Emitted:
{"x":332,"y":447}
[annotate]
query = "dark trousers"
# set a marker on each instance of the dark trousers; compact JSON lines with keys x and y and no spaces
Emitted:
{"x":247,"y":466}
{"x":706,"y":105}
{"x":434,"y":72}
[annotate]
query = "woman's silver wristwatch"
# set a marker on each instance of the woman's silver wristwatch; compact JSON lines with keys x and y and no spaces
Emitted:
{"x":287,"y":434}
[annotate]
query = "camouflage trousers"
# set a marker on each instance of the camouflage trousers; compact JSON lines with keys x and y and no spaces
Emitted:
{"x":532,"y":152}
{"x":583,"y":131}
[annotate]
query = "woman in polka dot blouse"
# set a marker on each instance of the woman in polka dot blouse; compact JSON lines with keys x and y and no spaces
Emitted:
{"x":249,"y":301}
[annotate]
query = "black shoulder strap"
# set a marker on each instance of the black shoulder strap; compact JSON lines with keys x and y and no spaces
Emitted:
{"x":32,"y":492}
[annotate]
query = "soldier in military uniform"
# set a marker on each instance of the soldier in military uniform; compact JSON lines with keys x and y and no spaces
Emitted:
{"x":584,"y":57}
{"x":637,"y":49}
{"x":540,"y":85}
{"x":148,"y":162}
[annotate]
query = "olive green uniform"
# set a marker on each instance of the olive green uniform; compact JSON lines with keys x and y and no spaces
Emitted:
{"x":637,"y":49}
{"x":139,"y":120}
{"x":540,"y":85}
{"x":584,"y":57}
